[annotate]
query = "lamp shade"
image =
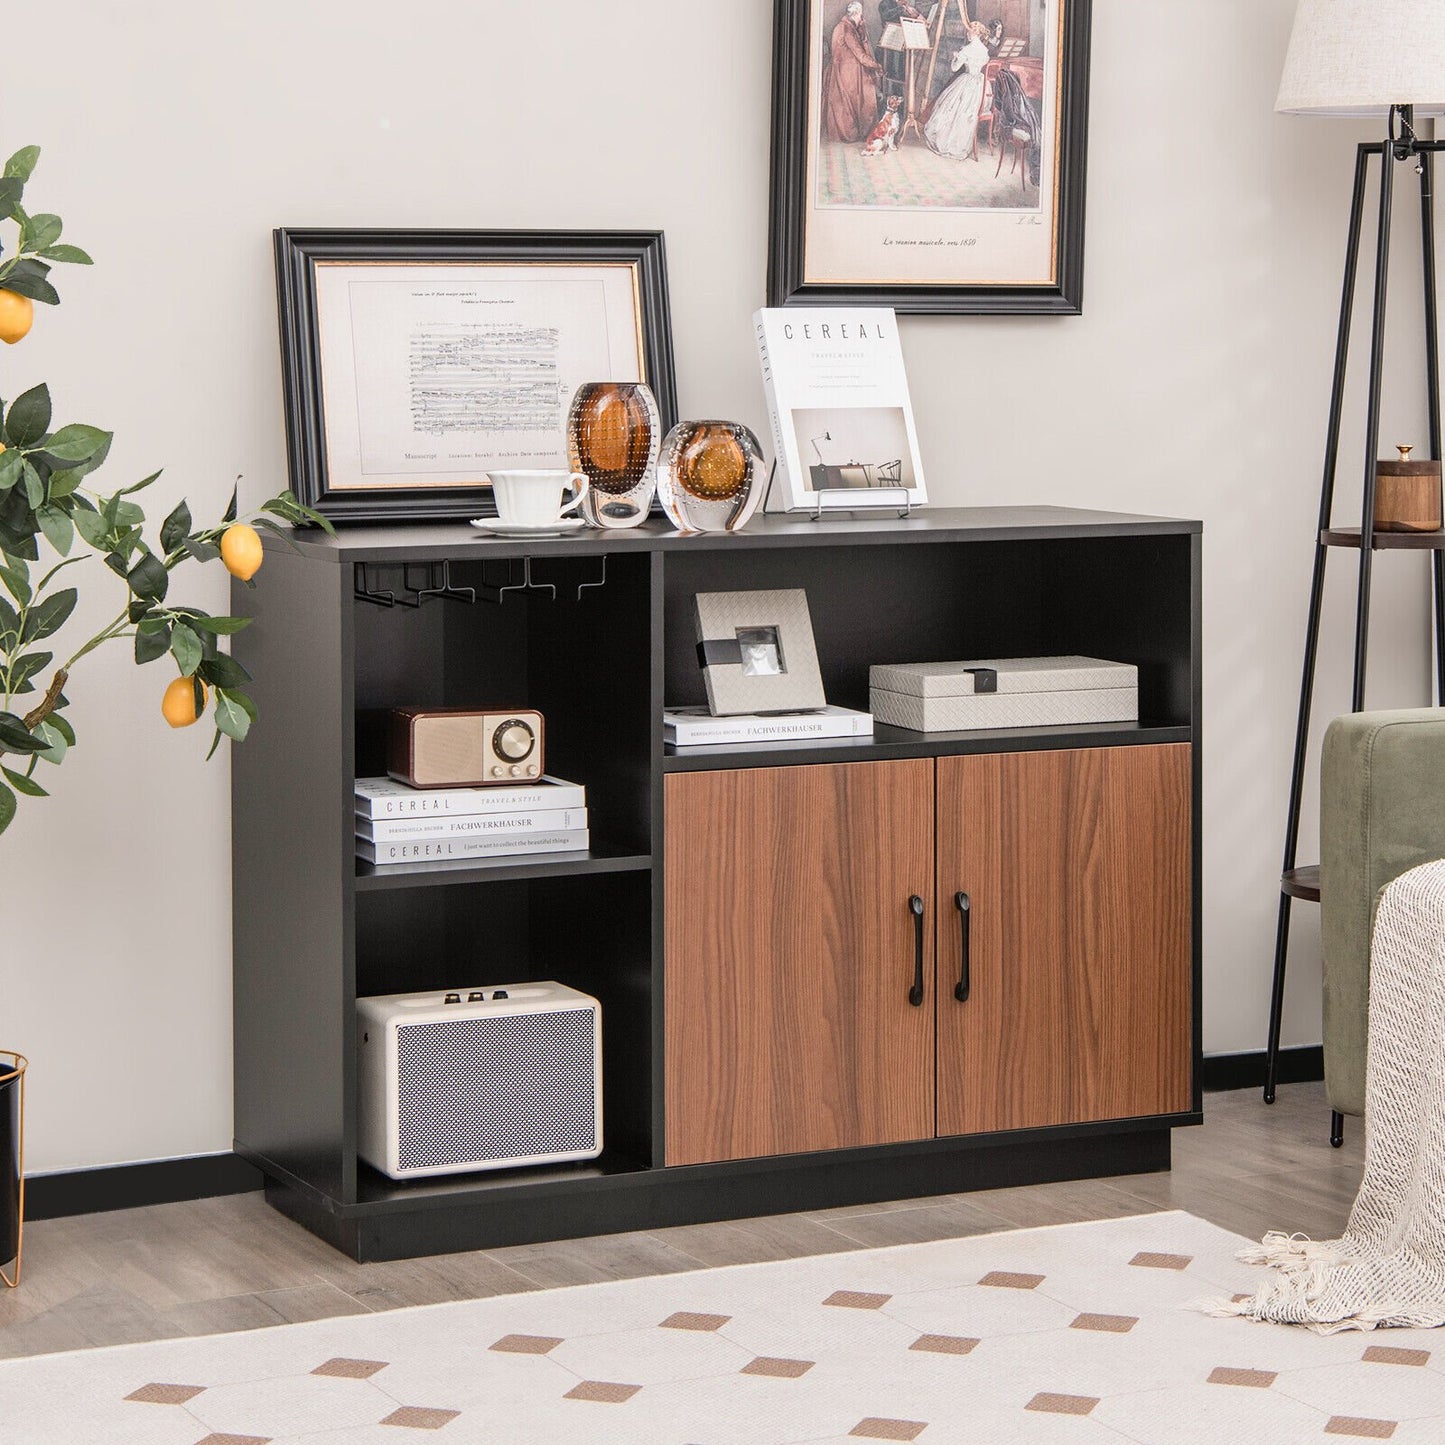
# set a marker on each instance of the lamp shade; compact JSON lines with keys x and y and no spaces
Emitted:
{"x":1360,"y":57}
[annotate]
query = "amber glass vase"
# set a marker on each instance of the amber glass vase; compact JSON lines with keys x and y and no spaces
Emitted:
{"x":613,"y":436}
{"x":708,"y":474}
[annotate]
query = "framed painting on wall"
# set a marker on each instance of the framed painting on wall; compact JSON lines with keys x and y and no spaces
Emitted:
{"x":930,"y":156}
{"x":415,"y":362}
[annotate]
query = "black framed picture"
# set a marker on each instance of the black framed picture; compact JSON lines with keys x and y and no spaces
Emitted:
{"x":414,"y":362}
{"x":930,"y":156}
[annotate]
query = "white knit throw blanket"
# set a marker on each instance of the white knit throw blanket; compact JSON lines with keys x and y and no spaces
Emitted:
{"x":1389,"y":1268}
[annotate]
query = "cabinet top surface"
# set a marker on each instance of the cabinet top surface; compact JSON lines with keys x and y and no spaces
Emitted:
{"x":434,"y":540}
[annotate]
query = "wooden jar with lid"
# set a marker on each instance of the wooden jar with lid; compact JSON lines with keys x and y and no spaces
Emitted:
{"x":1407,"y":495}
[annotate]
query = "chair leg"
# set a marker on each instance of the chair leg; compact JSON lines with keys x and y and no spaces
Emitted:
{"x":1002,"y":148}
{"x":1337,"y":1130}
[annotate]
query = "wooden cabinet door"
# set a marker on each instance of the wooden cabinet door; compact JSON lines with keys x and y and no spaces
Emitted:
{"x":1077,"y":866}
{"x":790,"y":954}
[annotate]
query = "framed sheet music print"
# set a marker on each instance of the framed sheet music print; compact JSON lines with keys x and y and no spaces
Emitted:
{"x":930,"y":156}
{"x":415,"y":362}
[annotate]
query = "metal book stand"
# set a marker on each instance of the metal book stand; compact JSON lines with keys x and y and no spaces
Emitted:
{"x":901,"y":503}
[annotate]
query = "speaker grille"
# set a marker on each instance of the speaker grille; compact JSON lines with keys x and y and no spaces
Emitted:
{"x":511,"y":1087}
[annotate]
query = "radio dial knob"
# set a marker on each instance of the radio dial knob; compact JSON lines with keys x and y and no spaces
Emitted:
{"x":514,"y":740}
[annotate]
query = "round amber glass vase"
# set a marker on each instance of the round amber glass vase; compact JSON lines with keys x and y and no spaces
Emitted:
{"x":708,"y":474}
{"x":613,"y":435}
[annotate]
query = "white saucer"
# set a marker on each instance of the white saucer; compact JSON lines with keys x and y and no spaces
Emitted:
{"x":559,"y":528}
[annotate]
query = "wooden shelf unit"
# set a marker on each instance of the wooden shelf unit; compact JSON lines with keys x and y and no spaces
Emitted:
{"x":315,"y":929}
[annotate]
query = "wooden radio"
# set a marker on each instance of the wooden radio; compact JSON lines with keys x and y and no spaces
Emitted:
{"x":458,"y":747}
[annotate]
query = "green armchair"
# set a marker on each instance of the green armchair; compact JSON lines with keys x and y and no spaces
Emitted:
{"x":1382,"y":812}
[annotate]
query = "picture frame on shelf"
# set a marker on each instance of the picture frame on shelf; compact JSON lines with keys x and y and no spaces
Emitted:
{"x":757,"y":652}
{"x":414,"y":362}
{"x":930,"y":156}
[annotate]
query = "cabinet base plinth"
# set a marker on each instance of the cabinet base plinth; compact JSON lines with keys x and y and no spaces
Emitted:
{"x":490,"y":1218}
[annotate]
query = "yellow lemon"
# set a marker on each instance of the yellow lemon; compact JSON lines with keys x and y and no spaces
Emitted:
{"x":17,"y":313}
{"x":178,"y":706}
{"x":241,"y":551}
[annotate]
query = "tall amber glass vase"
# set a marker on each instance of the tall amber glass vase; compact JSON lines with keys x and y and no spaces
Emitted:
{"x":12,"y":1164}
{"x":614,"y":434}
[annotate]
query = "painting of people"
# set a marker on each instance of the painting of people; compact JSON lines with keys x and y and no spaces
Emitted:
{"x":938,"y":138}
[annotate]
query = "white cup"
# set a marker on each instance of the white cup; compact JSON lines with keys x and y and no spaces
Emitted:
{"x":534,"y":498}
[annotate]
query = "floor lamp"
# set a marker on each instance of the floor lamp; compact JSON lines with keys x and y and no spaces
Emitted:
{"x":1381,"y":59}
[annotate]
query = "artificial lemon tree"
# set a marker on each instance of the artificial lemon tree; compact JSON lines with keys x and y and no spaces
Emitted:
{"x":53,"y":519}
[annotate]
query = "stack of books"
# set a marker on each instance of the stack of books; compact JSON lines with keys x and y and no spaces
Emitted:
{"x":400,"y":824}
{"x":691,"y":727}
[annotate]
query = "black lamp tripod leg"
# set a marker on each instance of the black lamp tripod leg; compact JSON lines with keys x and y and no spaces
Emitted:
{"x":1317,"y":591}
{"x":1372,"y":431}
{"x":1432,"y":390}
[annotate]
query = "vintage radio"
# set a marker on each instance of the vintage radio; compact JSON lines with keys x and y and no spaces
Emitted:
{"x":478,"y":1078}
{"x":458,"y":747}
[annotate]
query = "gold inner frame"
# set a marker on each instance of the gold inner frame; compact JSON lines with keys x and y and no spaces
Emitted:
{"x":481,"y":484}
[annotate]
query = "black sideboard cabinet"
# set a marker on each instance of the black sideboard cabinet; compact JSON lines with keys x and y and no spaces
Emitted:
{"x":743,"y":914}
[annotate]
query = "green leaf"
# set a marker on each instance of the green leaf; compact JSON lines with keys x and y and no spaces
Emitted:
{"x":201,"y":551}
{"x":117,"y":563}
{"x":243,"y":701}
{"x":16,"y":577}
{"x":127,"y":514}
{"x":23,"y":669}
{"x":29,"y":416}
{"x":63,"y":484}
{"x":12,"y":460}
{"x":62,"y":727}
{"x":76,"y":442}
{"x":91,"y":525}
{"x":49,"y":615}
{"x":56,"y":745}
{"x":138,"y":486}
{"x":34,"y":484}
{"x":231,"y":718}
{"x":27,"y":278}
{"x":186,"y":649}
{"x":57,"y":526}
{"x":67,"y":255}
{"x":175,"y":527}
{"x":22,"y":164}
{"x":42,"y":230}
{"x":152,"y":640}
{"x":220,"y":626}
{"x":138,"y":610}
{"x":224,"y":671}
{"x":215,"y":743}
{"x":149,"y":578}
{"x":8,"y":805}
{"x":9,"y":627}
{"x":25,"y":785}
{"x":15,"y":737}
{"x":231,"y":507}
{"x":12,"y":188}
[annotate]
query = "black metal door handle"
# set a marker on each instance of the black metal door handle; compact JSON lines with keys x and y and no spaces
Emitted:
{"x":915,"y":994}
{"x":965,"y":916}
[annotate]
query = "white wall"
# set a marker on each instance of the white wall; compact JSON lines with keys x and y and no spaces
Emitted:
{"x":1195,"y":384}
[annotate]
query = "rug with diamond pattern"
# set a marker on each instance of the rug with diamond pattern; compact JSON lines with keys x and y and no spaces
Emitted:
{"x":1077,"y":1333}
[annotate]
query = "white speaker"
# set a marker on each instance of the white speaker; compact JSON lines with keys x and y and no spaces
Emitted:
{"x":478,"y":1078}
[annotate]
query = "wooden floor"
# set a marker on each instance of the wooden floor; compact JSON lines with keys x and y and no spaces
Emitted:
{"x":235,"y":1264}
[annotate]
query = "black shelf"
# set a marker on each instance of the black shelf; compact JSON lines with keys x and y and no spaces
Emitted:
{"x":602,"y":858}
{"x":891,"y":742}
{"x":316,"y":928}
{"x":377,"y":1194}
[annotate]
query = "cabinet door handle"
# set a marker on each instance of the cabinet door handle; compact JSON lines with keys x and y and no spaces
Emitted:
{"x":915,"y":994}
{"x":965,"y":916}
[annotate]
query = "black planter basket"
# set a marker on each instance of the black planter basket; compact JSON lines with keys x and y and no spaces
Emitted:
{"x":12,"y":1164}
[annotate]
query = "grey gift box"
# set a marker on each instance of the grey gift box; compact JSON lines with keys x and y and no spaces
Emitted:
{"x":1004,"y":692}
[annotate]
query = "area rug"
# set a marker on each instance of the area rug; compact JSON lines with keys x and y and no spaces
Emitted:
{"x":1076,"y":1333}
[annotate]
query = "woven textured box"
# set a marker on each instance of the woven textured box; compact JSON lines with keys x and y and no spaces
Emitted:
{"x":1004,"y":692}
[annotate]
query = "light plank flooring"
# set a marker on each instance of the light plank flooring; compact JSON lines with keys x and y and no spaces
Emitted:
{"x":234,"y":1264}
